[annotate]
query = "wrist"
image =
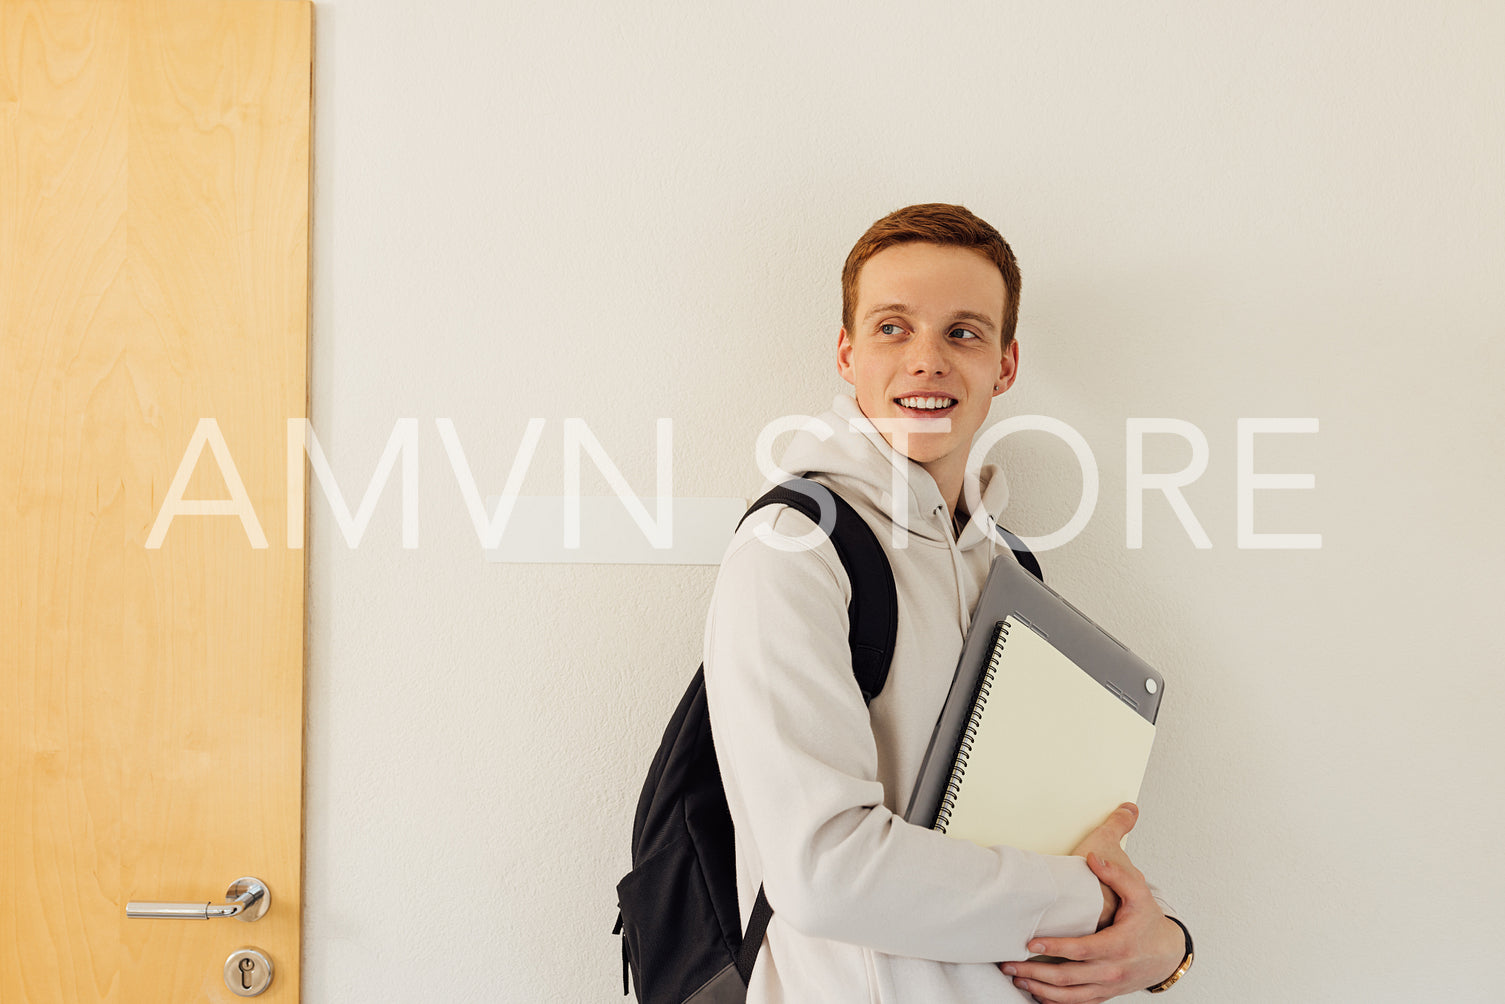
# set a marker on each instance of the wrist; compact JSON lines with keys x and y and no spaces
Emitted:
{"x":1185,"y":962}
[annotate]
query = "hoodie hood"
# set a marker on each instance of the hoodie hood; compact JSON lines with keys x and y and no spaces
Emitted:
{"x":842,"y":447}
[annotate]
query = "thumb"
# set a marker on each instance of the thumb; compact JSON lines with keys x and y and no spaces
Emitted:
{"x":1126,"y":881}
{"x":1121,"y":820}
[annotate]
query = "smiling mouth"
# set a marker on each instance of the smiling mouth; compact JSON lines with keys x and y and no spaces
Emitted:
{"x":932,"y":406}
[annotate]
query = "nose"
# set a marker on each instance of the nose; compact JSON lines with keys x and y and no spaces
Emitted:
{"x":927,"y":353}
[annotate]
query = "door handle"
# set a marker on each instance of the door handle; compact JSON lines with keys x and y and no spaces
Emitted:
{"x":247,"y":898}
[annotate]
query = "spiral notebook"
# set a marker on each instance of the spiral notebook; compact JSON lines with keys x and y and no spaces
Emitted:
{"x":1047,"y":728}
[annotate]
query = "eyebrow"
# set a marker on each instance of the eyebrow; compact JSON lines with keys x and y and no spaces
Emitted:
{"x":960,"y":315}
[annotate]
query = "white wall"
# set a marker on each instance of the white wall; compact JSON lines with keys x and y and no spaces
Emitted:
{"x":620,"y":212}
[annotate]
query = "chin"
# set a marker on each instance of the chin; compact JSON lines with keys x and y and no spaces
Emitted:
{"x":923,"y":454}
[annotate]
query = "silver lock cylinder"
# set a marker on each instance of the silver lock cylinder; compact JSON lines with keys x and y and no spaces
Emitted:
{"x":248,"y":972}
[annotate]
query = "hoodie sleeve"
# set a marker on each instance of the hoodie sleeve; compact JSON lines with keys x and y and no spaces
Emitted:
{"x":800,"y":767}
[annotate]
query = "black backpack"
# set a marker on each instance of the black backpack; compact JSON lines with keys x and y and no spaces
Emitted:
{"x":682,"y":937}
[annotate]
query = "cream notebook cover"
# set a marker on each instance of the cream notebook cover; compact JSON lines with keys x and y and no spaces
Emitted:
{"x":1047,"y":753}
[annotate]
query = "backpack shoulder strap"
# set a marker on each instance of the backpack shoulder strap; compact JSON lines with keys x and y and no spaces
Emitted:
{"x":872,"y":616}
{"x":1024,"y":554}
{"x":752,"y":940}
{"x":873,"y":613}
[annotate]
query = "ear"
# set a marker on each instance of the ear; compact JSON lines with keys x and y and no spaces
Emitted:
{"x":1008,"y":369}
{"x":844,"y":357}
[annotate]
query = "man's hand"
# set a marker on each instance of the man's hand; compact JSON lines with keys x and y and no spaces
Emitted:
{"x":1139,"y":949}
{"x":1107,"y":842}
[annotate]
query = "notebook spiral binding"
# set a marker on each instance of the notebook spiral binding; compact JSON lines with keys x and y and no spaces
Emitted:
{"x":969,"y":734}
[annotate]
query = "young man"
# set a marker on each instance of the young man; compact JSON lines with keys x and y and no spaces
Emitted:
{"x":866,"y":906}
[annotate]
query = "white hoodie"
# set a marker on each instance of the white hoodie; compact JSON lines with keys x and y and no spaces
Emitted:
{"x":867,"y":908}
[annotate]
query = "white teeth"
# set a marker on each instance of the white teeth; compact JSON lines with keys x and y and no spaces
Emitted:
{"x":927,"y":403}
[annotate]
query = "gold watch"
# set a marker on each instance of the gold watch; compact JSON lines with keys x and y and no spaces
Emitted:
{"x":1170,"y":981}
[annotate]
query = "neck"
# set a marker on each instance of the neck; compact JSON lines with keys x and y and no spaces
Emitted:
{"x":949,"y":482}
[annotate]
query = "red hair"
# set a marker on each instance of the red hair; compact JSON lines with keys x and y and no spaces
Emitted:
{"x":935,"y":223}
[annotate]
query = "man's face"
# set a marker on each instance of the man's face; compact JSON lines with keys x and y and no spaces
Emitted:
{"x":927,"y":332}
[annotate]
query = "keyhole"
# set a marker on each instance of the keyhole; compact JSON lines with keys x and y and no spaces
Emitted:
{"x":246,"y":965}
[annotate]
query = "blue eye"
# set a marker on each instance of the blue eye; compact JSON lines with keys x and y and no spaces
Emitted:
{"x":884,"y":329}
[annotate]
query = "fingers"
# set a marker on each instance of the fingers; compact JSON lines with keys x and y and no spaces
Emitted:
{"x":1122,"y":877}
{"x":1059,"y":974}
{"x":1093,"y":946}
{"x":1044,"y":993}
{"x":1065,"y":982}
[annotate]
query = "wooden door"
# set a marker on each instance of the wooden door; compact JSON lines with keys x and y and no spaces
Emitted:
{"x":154,"y":215}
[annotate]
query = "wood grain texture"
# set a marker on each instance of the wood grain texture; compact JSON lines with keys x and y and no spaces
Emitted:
{"x":154,"y":214}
